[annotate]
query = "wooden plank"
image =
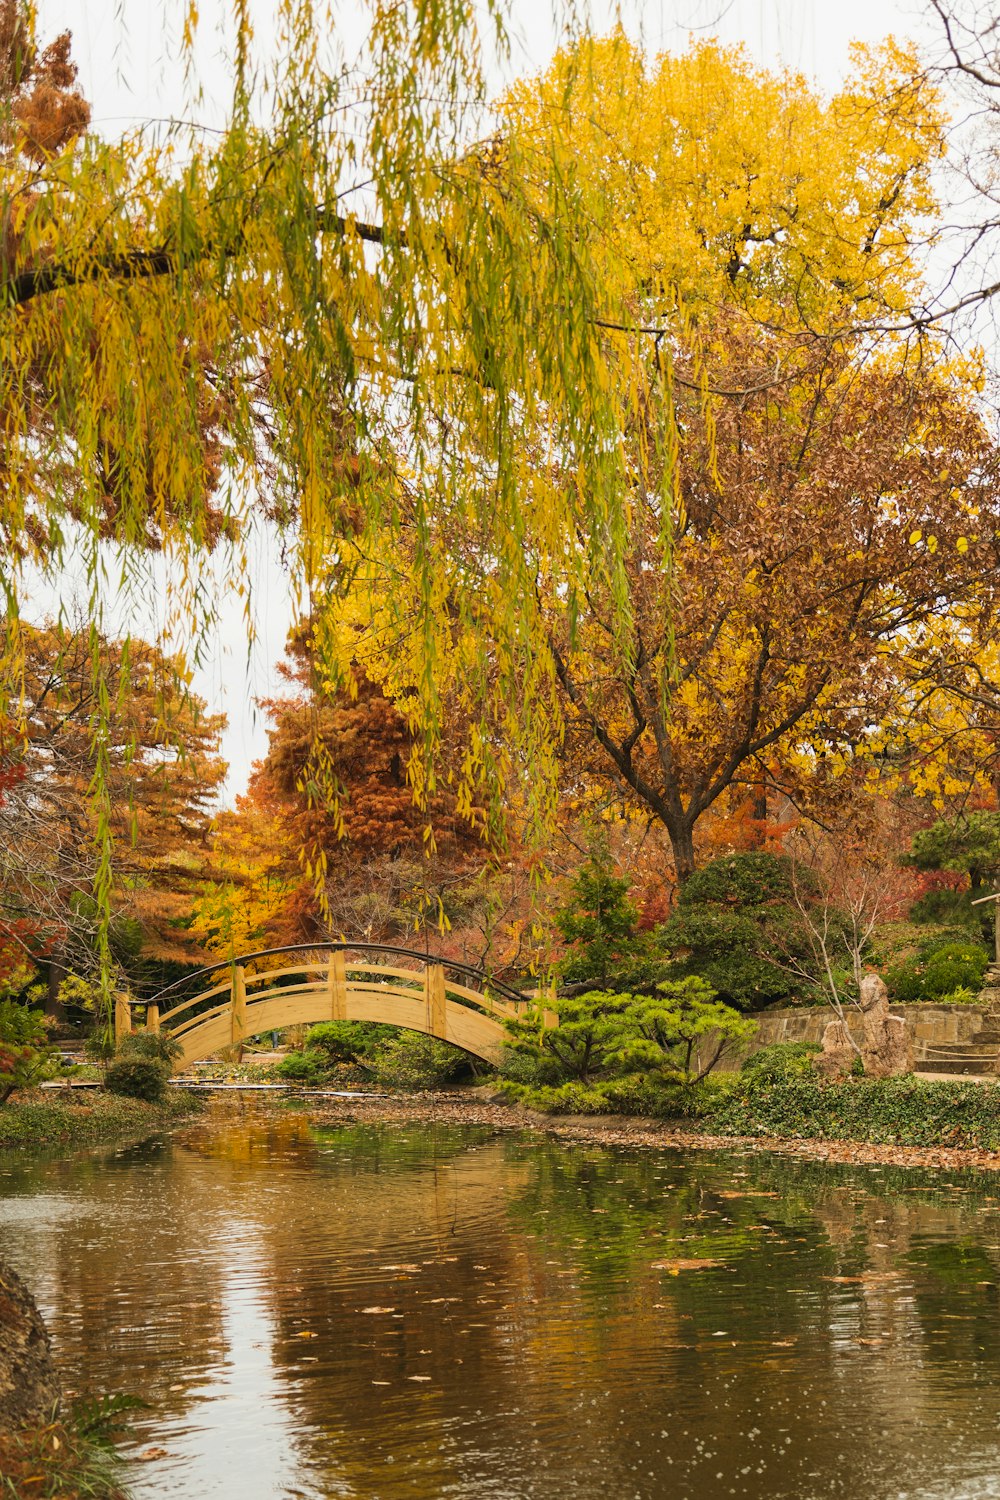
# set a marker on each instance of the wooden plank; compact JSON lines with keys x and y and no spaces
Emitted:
{"x":437,"y":1001}
{"x":239,"y":1006}
{"x":123,"y":1017}
{"x":336,"y":983}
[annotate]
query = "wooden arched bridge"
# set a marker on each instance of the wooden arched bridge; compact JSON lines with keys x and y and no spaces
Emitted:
{"x":224,"y":1004}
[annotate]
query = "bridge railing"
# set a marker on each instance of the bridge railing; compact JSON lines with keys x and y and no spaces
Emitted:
{"x":332,"y":973}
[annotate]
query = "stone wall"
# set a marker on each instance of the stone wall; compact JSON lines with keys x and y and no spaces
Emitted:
{"x":929,"y":1026}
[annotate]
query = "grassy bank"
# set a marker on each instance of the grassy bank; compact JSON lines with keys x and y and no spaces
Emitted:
{"x":48,"y":1117}
{"x":57,"y":1461}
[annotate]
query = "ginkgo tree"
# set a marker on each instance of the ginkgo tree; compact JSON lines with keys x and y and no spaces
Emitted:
{"x":806,"y":497}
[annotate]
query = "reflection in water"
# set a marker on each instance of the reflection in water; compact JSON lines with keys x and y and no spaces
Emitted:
{"x":427,"y":1311}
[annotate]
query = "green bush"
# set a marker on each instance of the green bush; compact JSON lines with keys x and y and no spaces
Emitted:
{"x":27,"y":1057}
{"x":627,"y":1094}
{"x":884,"y":1111}
{"x":311,"y":1067}
{"x":411,"y":1060}
{"x":160,"y":1046}
{"x":781,"y":1061}
{"x":940,"y":967}
{"x":348,"y":1041}
{"x":582,"y":1047}
{"x":137,"y":1078}
{"x":628,"y":1053}
{"x":679,"y":1033}
{"x":736,"y":925}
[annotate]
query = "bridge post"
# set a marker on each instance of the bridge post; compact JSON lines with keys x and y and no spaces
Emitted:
{"x":152,"y":1016}
{"x":336,"y":986}
{"x":238,"y":1006}
{"x":436,"y":1000}
{"x":123,"y":1016}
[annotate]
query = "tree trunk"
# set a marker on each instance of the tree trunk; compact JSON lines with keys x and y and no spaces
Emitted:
{"x":682,"y":844}
{"x":758,"y":816}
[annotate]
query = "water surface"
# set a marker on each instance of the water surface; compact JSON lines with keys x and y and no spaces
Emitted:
{"x":421,"y":1311}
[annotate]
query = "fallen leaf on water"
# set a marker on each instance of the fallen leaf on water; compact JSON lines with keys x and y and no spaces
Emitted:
{"x":381,"y":1382}
{"x":376,"y":1309}
{"x":676,"y":1266}
{"x":418,"y":1377}
{"x":150,"y":1453}
{"x":306,"y":1333}
{"x":870,"y":1278}
{"x":408,"y":1269}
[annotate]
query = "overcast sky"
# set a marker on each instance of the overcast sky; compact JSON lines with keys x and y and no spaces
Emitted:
{"x":126,"y":51}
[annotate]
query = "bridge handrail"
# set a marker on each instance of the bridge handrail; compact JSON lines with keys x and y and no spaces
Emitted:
{"x":340,"y":947}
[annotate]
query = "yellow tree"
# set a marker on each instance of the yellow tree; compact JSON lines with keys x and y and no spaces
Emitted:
{"x":803,"y":495}
{"x":201,"y":332}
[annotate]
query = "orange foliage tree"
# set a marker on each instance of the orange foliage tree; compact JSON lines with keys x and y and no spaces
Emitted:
{"x":329,"y":838}
{"x":163,"y":771}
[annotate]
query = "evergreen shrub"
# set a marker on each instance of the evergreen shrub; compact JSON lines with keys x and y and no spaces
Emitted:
{"x":137,"y":1078}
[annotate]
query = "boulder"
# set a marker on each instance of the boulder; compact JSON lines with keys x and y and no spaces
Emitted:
{"x":885,"y":1049}
{"x":837,"y":1057}
{"x":29,"y":1389}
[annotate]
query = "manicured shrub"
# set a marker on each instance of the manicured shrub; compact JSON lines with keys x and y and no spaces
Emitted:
{"x":939,"y":968}
{"x":621,"y":1053}
{"x":781,"y":1061}
{"x":137,"y":1078}
{"x":311,"y":1067}
{"x":737,"y":925}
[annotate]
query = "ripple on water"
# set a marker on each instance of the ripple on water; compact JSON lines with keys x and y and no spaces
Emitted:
{"x":434,"y":1312}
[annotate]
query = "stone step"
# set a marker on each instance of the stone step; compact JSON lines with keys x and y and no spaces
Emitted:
{"x":960,"y":1067}
{"x":960,"y":1049}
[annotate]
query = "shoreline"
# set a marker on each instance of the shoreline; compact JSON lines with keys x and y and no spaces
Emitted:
{"x":634,"y":1131}
{"x":36,"y":1121}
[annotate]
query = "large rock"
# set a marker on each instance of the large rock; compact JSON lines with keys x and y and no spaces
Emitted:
{"x":29,"y":1390}
{"x":885,"y":1049}
{"x":837,"y":1057}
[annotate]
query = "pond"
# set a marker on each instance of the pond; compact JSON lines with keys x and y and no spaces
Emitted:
{"x":426,"y":1311}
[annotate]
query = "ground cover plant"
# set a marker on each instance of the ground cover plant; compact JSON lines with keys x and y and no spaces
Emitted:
{"x":57,"y":1117}
{"x":905,"y":1111}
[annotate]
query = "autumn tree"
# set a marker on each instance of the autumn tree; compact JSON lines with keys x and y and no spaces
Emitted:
{"x":297,"y":336}
{"x":160,"y":762}
{"x":807,"y":499}
{"x":377,"y":858}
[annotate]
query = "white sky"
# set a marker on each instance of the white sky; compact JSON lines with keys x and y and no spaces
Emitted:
{"x":127,"y":55}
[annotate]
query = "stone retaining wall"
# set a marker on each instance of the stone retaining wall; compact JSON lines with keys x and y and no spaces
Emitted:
{"x":929,"y":1026}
